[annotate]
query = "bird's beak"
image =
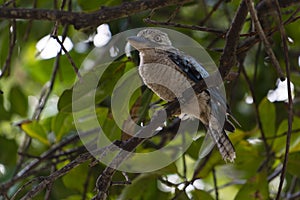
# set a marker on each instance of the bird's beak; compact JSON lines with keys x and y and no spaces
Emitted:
{"x":138,"y":42}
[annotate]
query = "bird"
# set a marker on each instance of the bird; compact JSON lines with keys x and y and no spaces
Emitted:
{"x":168,"y":72}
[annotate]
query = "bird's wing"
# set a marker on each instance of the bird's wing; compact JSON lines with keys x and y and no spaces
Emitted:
{"x":196,"y":72}
{"x":188,"y":65}
{"x":219,"y":108}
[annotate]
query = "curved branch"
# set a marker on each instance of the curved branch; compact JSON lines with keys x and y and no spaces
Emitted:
{"x":84,"y":20}
{"x":228,"y":57}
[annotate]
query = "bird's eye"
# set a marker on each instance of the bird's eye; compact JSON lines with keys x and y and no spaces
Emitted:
{"x":157,"y":38}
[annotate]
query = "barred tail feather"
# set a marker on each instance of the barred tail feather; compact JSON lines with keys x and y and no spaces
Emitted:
{"x":223,"y":143}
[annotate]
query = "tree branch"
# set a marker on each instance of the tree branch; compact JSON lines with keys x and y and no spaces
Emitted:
{"x":55,"y":175}
{"x":284,"y":40}
{"x":85,"y":20}
{"x":228,"y":57}
{"x":264,"y":39}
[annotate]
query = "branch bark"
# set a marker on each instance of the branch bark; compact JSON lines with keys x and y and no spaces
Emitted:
{"x":228,"y":57}
{"x":85,"y":20}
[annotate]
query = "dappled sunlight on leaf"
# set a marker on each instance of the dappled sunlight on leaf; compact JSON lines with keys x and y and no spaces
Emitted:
{"x":35,"y":130}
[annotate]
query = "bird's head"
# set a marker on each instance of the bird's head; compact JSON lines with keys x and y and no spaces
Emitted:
{"x":150,"y":38}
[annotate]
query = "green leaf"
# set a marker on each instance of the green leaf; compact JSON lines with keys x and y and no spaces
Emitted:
{"x":35,"y":130}
{"x":5,"y":115}
{"x":40,"y":70}
{"x":182,"y":196}
{"x":201,"y":194}
{"x":144,"y":187}
{"x":76,"y":178}
{"x":293,"y":165}
{"x":212,"y":161}
{"x":256,"y":187}
{"x":215,"y":157}
{"x":109,"y":79}
{"x":84,"y":88}
{"x":101,"y":113}
{"x":170,"y":169}
{"x":295,"y":77}
{"x":280,"y":141}
{"x":249,"y":158}
{"x":267,"y":116}
{"x":194,"y":148}
{"x":62,"y":124}
{"x":111,"y":129}
{"x":73,"y":197}
{"x":10,"y":148}
{"x":18,"y":101}
{"x":65,"y":101}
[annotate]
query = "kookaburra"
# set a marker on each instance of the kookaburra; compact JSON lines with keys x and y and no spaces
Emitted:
{"x":169,"y":72}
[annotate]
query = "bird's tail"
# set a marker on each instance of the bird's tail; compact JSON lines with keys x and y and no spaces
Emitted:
{"x":223,"y":143}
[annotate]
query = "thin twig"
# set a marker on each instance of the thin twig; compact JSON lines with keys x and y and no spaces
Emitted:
{"x":282,"y":134}
{"x":173,"y":15}
{"x":235,"y":182}
{"x":255,"y":103}
{"x":257,"y":55}
{"x":7,"y":3}
{"x":290,"y":100}
{"x":49,"y":87}
{"x":29,"y":26}
{"x":275,"y":173}
{"x":264,"y":39}
{"x":215,"y":183}
{"x":55,"y":175}
{"x":12,"y":42}
{"x":50,"y":185}
{"x":26,"y":171}
{"x":105,"y":179}
{"x":292,"y":187}
{"x":86,"y":184}
{"x":37,"y":179}
{"x":207,"y":16}
{"x":219,"y":33}
{"x":251,"y":41}
{"x":294,"y":196}
{"x":75,"y":68}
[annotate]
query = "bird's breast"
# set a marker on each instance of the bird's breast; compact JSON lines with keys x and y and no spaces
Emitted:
{"x":163,"y":77}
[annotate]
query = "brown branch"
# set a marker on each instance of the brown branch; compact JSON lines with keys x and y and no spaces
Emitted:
{"x":264,"y":39}
{"x":86,"y":184}
{"x":228,"y":57}
{"x":284,"y":3}
{"x":73,"y":64}
{"x":55,"y":175}
{"x":208,"y":15}
{"x":220,"y":33}
{"x":290,"y":100}
{"x":255,"y":103}
{"x":215,"y":183}
{"x":104,"y":181}
{"x":84,"y":20}
{"x":45,"y":94}
{"x":29,"y":25}
{"x":247,"y":44}
{"x":12,"y":42}
{"x":26,"y":171}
